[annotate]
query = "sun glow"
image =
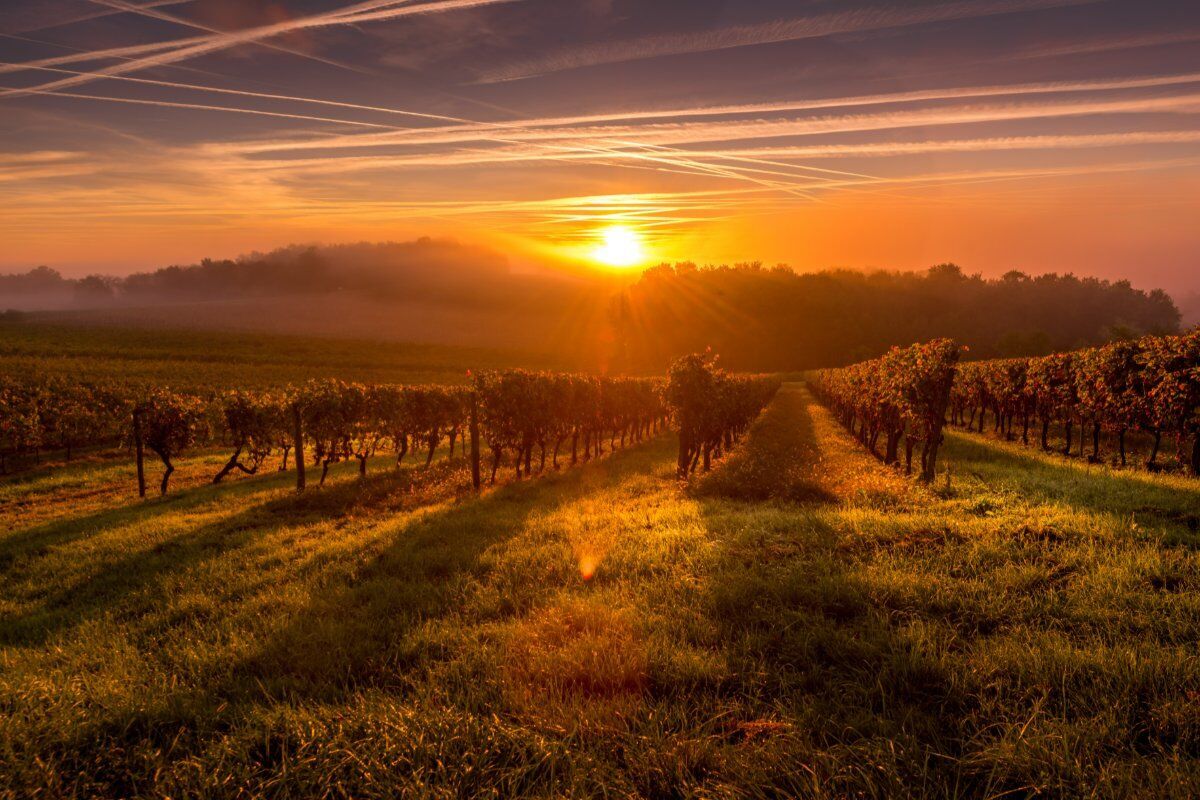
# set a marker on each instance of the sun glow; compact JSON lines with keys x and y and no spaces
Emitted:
{"x":619,"y":247}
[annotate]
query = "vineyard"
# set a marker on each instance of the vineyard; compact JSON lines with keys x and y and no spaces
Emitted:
{"x":712,"y":409}
{"x":902,"y":395}
{"x":327,"y":422}
{"x":745,"y":603}
{"x":1149,"y":386}
{"x":510,"y":413}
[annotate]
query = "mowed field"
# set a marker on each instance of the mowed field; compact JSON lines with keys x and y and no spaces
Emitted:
{"x":802,"y":621}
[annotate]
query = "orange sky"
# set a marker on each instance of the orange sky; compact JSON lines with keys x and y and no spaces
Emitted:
{"x":1042,"y":135}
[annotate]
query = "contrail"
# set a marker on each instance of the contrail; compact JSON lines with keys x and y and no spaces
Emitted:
{"x":513,"y":154}
{"x":162,"y":53}
{"x":784,"y":30}
{"x":256,"y":95}
{"x":97,"y":14}
{"x":149,"y":11}
{"x":1048,"y":142}
{"x":917,"y":95}
{"x":729,"y":130}
{"x":754,"y":154}
{"x":201,"y":107}
{"x":597,"y":149}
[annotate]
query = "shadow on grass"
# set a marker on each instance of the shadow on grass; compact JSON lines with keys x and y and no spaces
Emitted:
{"x":29,"y":469}
{"x":1001,"y":465}
{"x":778,"y":459}
{"x":788,"y":603}
{"x":808,"y":644}
{"x":881,"y":687}
{"x":356,"y":631}
{"x":234,"y":490}
{"x":64,"y":607}
{"x":356,"y":634}
{"x":62,"y":531}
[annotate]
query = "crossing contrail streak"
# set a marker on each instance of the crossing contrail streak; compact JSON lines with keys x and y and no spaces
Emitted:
{"x":159,"y":54}
{"x":596,"y":149}
{"x":149,"y":11}
{"x":782,"y":30}
{"x":747,"y":155}
{"x":97,"y":14}
{"x":699,"y":132}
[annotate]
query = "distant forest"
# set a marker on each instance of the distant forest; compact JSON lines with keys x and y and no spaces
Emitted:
{"x":776,"y":319}
{"x":756,"y":318}
{"x":427,"y":268}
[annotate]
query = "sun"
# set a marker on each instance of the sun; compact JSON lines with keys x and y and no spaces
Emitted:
{"x":619,"y":246}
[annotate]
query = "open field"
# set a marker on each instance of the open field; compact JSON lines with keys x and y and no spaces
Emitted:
{"x":802,"y":621}
{"x":203,"y":360}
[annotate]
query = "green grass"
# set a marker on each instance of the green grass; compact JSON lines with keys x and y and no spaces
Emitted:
{"x":1030,"y":629}
{"x":206,"y":359}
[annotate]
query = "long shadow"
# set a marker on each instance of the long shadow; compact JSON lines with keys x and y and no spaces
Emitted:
{"x":803,"y":633}
{"x":65,"y":530}
{"x":354,"y":635}
{"x":28,"y":469}
{"x":39,"y":538}
{"x":67,"y":606}
{"x":778,"y":459}
{"x":812,"y":635}
{"x":809,"y":647}
{"x":353,"y":632}
{"x":1094,"y":489}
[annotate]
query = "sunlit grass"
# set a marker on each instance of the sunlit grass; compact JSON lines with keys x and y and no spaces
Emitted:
{"x":1031,"y":628}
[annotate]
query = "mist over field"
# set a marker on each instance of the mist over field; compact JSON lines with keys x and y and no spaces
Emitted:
{"x":758,"y":317}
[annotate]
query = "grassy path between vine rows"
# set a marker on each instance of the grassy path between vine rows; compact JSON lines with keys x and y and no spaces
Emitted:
{"x":803,"y":621}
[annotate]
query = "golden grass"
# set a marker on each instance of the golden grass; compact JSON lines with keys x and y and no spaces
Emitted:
{"x":599,"y":631}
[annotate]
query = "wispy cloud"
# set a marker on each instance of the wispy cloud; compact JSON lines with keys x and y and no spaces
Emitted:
{"x":37,"y":157}
{"x":1106,"y":44}
{"x":519,"y":154}
{"x":42,"y":16}
{"x":782,"y":30}
{"x":694,"y":132}
{"x":122,"y":6}
{"x":981,"y":145}
{"x":157,"y":54}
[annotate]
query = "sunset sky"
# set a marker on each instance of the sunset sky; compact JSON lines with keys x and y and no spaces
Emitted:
{"x":1042,"y":135}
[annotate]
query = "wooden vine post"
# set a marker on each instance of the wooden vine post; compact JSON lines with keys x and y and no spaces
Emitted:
{"x":298,"y":446}
{"x":138,"y":451}
{"x":475,"y":440}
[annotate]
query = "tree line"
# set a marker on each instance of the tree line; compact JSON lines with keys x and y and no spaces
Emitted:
{"x":425,"y":268}
{"x":774,"y":319}
{"x":1149,"y":385}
